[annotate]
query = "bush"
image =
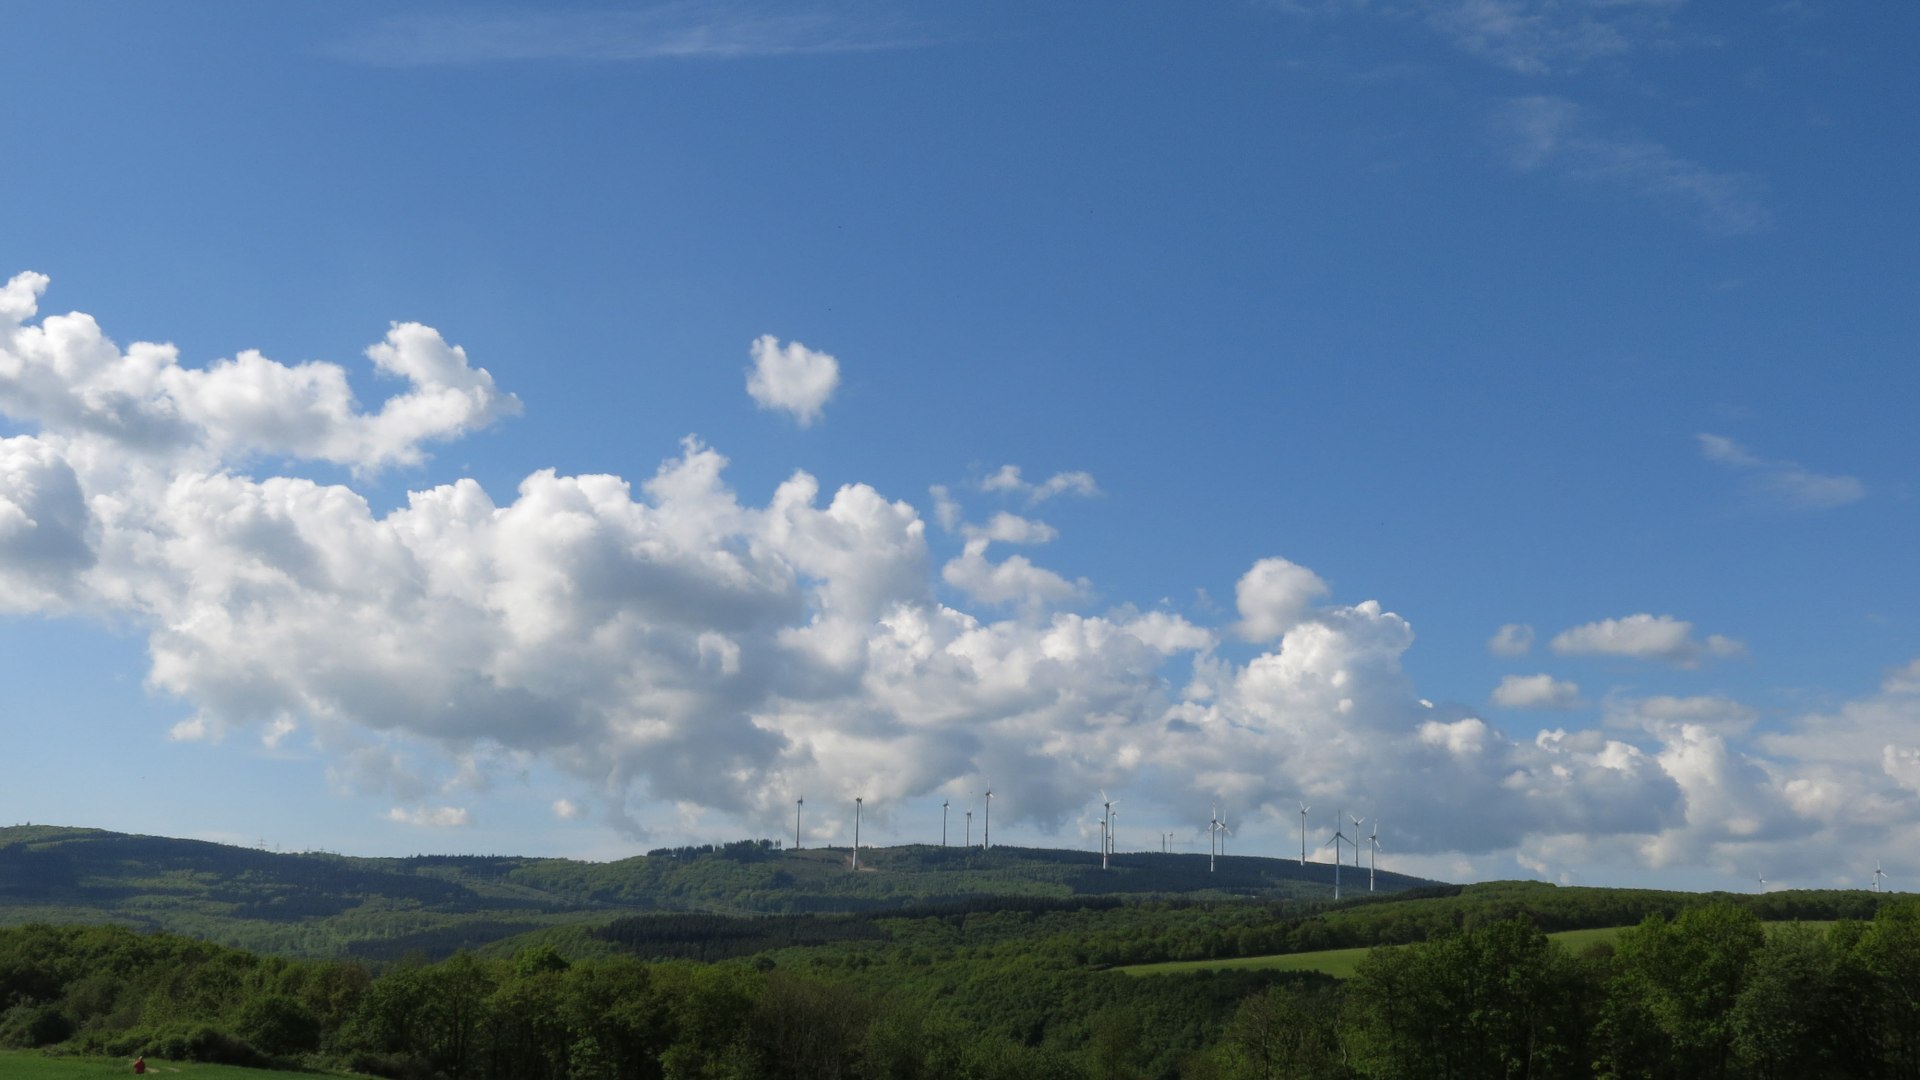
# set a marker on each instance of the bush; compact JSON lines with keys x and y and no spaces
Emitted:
{"x":30,"y":1026}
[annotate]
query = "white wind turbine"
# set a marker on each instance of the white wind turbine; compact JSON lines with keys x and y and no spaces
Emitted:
{"x":943,"y":821}
{"x":1356,"y":843}
{"x":857,"y":800}
{"x":1373,"y":852}
{"x":1224,"y":833}
{"x":986,"y":829}
{"x":1339,"y":837}
{"x":1877,"y":875}
{"x":797,"y":804}
{"x":1106,"y":828}
{"x":1303,"y":833}
{"x":1213,"y":837}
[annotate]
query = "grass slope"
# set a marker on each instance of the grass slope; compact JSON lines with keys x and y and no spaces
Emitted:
{"x":33,"y":1065}
{"x":1339,"y":963}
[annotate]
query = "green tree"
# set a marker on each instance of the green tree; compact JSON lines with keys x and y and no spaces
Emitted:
{"x":1497,"y":1001}
{"x":1670,"y":1004}
{"x":1786,"y":1021}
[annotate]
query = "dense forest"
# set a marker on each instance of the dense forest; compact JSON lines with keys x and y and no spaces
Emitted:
{"x":1698,"y":986}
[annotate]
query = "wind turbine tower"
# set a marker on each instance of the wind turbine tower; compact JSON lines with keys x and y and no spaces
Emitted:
{"x":1106,"y":829}
{"x":986,"y":830}
{"x":969,"y":826}
{"x":797,"y":804}
{"x":1339,"y":837}
{"x":1303,"y":833}
{"x":1213,"y":837}
{"x":943,"y":821}
{"x":1877,"y":875}
{"x":1356,"y":844}
{"x":857,"y":800}
{"x":1373,"y":852}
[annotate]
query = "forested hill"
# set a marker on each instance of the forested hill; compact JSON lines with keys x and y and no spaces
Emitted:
{"x":322,"y":904}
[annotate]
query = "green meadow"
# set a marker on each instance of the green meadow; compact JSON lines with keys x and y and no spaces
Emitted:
{"x":33,"y":1065}
{"x":1339,"y":963}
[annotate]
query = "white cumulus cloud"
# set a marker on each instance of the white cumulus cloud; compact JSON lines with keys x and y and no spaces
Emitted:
{"x":791,"y":378}
{"x":1536,"y":692}
{"x":1513,"y":639}
{"x":1645,"y":637}
{"x":1275,"y":596}
{"x":663,"y":642}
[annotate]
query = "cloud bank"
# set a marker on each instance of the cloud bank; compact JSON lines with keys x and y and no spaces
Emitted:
{"x":663,"y":642}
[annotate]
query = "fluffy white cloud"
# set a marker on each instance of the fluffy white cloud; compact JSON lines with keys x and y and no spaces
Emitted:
{"x":1644,"y":637}
{"x":65,"y":375}
{"x":665,"y":643}
{"x":47,"y":534}
{"x":1782,"y":484}
{"x":1014,"y":580}
{"x":1513,"y":639}
{"x":1275,"y":596}
{"x":1536,"y":692}
{"x":791,"y":378}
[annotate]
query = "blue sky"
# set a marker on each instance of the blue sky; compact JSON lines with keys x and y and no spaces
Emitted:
{"x":1592,"y":320}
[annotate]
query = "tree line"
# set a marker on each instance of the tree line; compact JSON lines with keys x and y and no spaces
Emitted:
{"x":1709,"y":991}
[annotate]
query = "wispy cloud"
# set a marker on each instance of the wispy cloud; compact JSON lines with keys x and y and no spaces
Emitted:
{"x":1782,"y":484}
{"x":691,"y":30}
{"x":1531,"y":37}
{"x":1553,"y":135}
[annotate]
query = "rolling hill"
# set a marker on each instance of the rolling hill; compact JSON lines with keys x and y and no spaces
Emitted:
{"x":322,"y":904}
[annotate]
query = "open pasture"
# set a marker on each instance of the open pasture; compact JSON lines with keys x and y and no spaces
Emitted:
{"x":32,"y":1065}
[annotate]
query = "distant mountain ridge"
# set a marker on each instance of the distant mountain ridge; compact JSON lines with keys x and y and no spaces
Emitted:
{"x":323,"y":904}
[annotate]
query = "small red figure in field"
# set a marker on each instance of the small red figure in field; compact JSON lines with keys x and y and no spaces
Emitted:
{"x":139,"y":1065}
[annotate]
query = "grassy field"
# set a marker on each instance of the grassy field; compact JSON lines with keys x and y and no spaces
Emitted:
{"x":31,"y":1065}
{"x":1339,"y":963}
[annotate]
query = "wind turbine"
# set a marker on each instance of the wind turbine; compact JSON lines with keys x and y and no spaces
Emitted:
{"x":1356,"y":843}
{"x":986,"y":830}
{"x":1877,"y":875}
{"x":1106,"y":828}
{"x":1213,"y":835}
{"x":797,"y":804}
{"x":1373,"y":852}
{"x":943,"y":821}
{"x":1339,"y":837}
{"x":1303,"y":833}
{"x":857,"y":800}
{"x":969,"y":826}
{"x":1224,"y":833}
